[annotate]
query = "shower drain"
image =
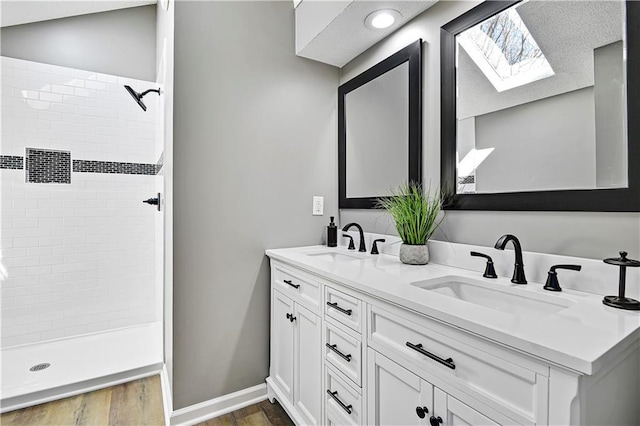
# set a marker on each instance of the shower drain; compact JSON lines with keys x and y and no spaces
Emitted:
{"x":39,"y":367}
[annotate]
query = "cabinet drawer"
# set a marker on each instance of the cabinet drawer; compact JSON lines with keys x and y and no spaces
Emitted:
{"x":343,"y":402}
{"x":297,"y":285}
{"x":343,"y":308}
{"x":459,"y":364}
{"x":335,"y":418}
{"x":344,"y":352}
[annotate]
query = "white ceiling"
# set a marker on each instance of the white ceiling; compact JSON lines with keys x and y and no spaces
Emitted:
{"x":346,"y":36}
{"x":17,"y":12}
{"x":567,"y":33}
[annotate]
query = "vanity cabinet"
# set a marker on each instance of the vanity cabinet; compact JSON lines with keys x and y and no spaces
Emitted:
{"x":344,"y":357}
{"x":453,"y":412}
{"x":307,"y":372}
{"x":344,"y":404}
{"x":349,"y":357}
{"x":296,"y":335}
{"x":397,"y":396}
{"x":461,"y":363}
{"x":282,"y":344}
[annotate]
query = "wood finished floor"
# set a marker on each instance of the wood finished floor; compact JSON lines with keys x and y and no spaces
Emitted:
{"x":261,"y":414}
{"x":137,"y":403}
{"x":134,"y":403}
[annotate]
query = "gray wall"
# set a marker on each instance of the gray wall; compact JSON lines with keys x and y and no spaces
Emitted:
{"x":611,"y":140}
{"x":254,"y":141}
{"x":592,"y":235}
{"x":545,"y":144}
{"x":120,"y":42}
{"x":466,"y":136}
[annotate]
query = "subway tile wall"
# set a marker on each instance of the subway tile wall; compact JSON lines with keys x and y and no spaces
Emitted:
{"x":81,"y":257}
{"x":87,"y":113}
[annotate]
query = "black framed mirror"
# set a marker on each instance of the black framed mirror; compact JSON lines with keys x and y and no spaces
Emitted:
{"x":492,"y":158}
{"x":380,"y":129}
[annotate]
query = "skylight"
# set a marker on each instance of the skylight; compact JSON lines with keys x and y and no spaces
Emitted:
{"x":505,"y":51}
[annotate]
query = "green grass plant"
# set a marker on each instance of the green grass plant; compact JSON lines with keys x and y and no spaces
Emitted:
{"x":415,"y":211}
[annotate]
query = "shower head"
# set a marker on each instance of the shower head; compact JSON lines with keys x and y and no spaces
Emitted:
{"x":138,"y":96}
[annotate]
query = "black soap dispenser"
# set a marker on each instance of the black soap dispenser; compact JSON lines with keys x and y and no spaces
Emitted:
{"x":332,"y":234}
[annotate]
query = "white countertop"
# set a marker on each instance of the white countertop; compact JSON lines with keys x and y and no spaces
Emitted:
{"x":582,"y":337}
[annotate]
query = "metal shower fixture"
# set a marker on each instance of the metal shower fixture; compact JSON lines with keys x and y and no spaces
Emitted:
{"x":138,"y":96}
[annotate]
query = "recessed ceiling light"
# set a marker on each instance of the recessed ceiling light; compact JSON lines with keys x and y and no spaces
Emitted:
{"x":381,"y":19}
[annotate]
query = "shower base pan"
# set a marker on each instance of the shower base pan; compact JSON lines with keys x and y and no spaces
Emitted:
{"x":79,"y":364}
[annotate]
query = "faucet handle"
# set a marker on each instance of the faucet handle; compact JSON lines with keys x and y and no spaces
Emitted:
{"x":374,"y":249}
{"x":552,"y":283}
{"x":351,"y":245}
{"x":489,"y":270}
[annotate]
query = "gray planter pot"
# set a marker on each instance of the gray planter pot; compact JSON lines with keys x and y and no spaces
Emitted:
{"x":414,"y":254}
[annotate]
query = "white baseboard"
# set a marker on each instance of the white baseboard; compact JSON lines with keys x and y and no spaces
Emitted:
{"x":218,"y":406}
{"x":167,"y":400}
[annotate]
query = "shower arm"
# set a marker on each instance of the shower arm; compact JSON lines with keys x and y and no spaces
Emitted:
{"x":150,"y":90}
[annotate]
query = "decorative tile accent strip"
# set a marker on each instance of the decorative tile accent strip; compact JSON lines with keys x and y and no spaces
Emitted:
{"x":160,"y":163}
{"x":467,"y":180}
{"x":87,"y":166}
{"x":48,"y":166}
{"x":11,"y":162}
{"x":83,"y":166}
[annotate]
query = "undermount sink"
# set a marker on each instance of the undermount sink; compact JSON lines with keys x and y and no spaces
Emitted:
{"x":504,"y":299}
{"x":333,"y":256}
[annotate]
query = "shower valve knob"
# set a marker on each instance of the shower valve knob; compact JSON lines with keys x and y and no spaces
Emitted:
{"x":153,"y":201}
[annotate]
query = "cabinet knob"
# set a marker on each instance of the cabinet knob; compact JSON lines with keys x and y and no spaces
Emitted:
{"x":422,"y":412}
{"x":435,"y":421}
{"x":291,"y":318}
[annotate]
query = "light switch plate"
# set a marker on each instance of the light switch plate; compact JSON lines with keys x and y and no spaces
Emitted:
{"x":318,"y":206}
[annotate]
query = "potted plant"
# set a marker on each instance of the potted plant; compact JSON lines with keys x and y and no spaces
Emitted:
{"x":416,"y":213}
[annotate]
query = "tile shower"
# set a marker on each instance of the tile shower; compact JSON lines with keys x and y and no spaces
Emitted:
{"x":78,"y":246}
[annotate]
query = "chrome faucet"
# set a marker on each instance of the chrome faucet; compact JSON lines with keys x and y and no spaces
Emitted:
{"x":518,"y":271}
{"x":349,"y":225}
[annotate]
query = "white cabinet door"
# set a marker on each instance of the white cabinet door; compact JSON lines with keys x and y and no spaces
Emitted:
{"x":282,"y":344}
{"x":395,"y":395}
{"x":455,"y":413}
{"x":308,"y":365}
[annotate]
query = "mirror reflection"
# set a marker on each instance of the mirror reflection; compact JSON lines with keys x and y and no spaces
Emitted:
{"x":541,"y":99}
{"x":377,"y":114}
